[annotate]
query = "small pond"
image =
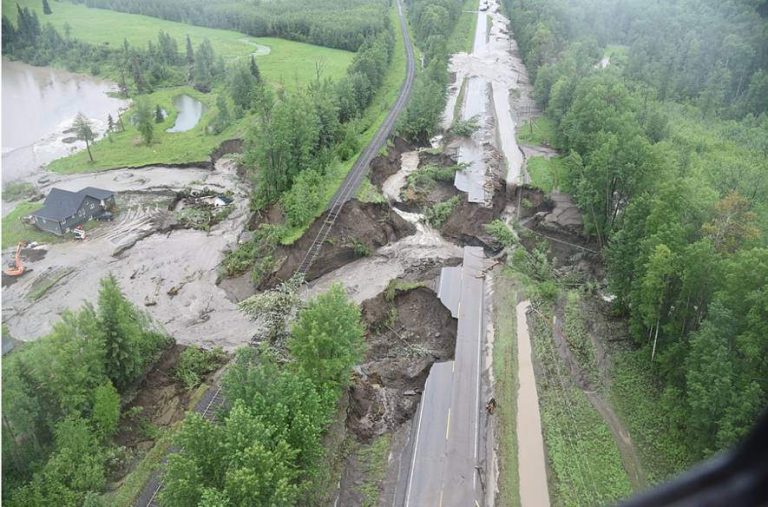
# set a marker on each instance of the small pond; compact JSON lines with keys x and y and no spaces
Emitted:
{"x":190,"y":111}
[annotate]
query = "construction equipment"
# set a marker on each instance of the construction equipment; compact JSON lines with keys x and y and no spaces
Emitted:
{"x":79,"y":232}
{"x":17,"y":268}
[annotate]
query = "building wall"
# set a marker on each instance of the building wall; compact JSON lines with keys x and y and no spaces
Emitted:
{"x":48,"y":225}
{"x":90,"y":208}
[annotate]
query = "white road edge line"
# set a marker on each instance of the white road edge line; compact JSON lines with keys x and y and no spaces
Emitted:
{"x":415,"y":452}
{"x":477,"y":390}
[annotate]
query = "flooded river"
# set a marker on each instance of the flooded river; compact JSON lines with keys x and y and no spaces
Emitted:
{"x":39,"y":103}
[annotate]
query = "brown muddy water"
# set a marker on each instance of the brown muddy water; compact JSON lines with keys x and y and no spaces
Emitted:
{"x":39,"y":104}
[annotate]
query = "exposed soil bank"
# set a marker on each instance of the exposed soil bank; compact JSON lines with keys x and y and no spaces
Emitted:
{"x":360,"y":228}
{"x":407,"y":333}
{"x":384,"y":166}
{"x":160,"y":401}
{"x":466,"y":225}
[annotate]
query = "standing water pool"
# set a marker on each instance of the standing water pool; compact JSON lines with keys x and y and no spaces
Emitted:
{"x":190,"y":112}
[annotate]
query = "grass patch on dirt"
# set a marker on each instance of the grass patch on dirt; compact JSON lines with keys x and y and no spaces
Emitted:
{"x":14,"y":230}
{"x":537,"y":131}
{"x":637,"y":396}
{"x":126,"y":149}
{"x":505,"y":373}
{"x":463,"y":34}
{"x":45,"y":282}
{"x":369,"y":123}
{"x":579,"y":341}
{"x":369,"y":193}
{"x":585,"y":463}
{"x":289,"y":63}
{"x":437,"y":214}
{"x":373,"y":460}
{"x":15,"y":190}
{"x":547,"y":173}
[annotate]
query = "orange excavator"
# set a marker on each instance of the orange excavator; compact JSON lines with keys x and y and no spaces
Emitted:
{"x":16,"y":269}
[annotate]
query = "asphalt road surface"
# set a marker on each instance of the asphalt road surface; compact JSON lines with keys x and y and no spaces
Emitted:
{"x":446,"y":442}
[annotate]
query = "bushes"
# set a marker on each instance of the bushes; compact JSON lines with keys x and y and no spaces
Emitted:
{"x":440,"y":212}
{"x":501,"y":233}
{"x":194,"y":363}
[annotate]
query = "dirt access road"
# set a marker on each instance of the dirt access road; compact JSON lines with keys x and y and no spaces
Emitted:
{"x":531,"y":462}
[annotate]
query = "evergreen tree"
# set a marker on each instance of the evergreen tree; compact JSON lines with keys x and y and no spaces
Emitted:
{"x":190,"y":52}
{"x":84,"y":132}
{"x":144,"y":120}
{"x":46,"y":8}
{"x":119,"y":329}
{"x":204,"y":66}
{"x":255,"y":72}
{"x":242,"y":88}
{"x":110,"y":123}
{"x":159,"y":114}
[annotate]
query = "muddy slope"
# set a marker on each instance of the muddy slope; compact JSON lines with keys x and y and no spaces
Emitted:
{"x":384,"y":166}
{"x":407,"y":332}
{"x":359,"y":226}
{"x":466,"y":225}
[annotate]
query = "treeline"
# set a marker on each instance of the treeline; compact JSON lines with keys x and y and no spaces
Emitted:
{"x":346,"y":25}
{"x":713,"y":53}
{"x":266,"y":449}
{"x":432,"y":22}
{"x":138,"y":70}
{"x":299,"y":135}
{"x":61,"y":400}
{"x":678,"y":197}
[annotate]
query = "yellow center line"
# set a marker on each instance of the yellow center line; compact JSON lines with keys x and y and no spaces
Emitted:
{"x":448,"y":426}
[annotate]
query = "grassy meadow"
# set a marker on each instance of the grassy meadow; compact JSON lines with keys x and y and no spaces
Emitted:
{"x":288,"y":64}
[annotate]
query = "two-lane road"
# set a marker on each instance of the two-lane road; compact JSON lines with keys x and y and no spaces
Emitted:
{"x":446,"y":444}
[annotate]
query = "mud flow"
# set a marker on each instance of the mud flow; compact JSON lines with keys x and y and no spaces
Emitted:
{"x":407,"y":332}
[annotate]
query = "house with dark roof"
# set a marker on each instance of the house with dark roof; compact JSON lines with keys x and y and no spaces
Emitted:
{"x":64,"y":210}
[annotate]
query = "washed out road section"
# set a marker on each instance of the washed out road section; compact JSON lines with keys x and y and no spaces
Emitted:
{"x":447,"y":444}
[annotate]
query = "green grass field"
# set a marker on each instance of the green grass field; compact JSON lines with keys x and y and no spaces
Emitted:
{"x":127,"y":149}
{"x":505,"y":373}
{"x":14,"y":230}
{"x":585,"y":463}
{"x":538,"y":131}
{"x":547,"y":173}
{"x":289,"y":63}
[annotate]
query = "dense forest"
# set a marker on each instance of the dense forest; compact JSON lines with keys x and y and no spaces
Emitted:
{"x":343,"y":25}
{"x":61,"y":399}
{"x":432,"y":22}
{"x":138,"y":70}
{"x":281,"y":398}
{"x":666,"y":148}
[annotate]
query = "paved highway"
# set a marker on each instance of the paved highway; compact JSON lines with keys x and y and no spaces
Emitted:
{"x":446,"y":434}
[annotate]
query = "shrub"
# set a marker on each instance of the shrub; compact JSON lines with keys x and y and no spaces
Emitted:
{"x":440,"y":212}
{"x":194,"y":363}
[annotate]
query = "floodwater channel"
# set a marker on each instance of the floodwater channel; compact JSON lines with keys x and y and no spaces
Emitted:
{"x":39,"y":105}
{"x":190,"y":111}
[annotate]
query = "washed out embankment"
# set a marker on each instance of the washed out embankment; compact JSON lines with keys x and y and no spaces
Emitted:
{"x":360,"y":228}
{"x":408,"y":331}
